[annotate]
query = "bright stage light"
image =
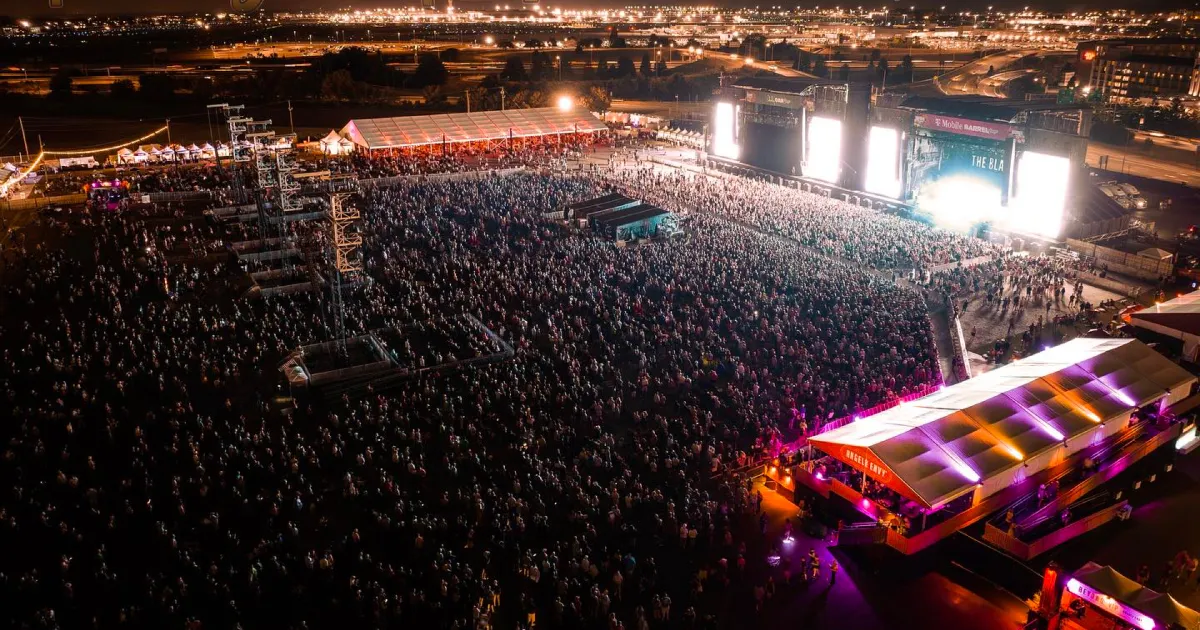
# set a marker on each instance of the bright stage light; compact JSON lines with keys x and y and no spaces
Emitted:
{"x":961,"y":201}
{"x":824,"y":149}
{"x":883,"y":162}
{"x":724,"y":144}
{"x":565,"y":103}
{"x":1041,"y":198}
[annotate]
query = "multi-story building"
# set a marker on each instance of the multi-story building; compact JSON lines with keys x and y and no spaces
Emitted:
{"x":1128,"y":70}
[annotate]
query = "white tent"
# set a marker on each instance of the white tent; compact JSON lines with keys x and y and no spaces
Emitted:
{"x":996,"y":429}
{"x":1155,"y":253}
{"x":1178,"y":318}
{"x":331,"y":144}
{"x":413,"y":131}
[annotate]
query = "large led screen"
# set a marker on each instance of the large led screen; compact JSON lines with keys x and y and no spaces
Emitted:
{"x":724,"y":143}
{"x":883,"y":162}
{"x":1041,"y":199}
{"x":824,"y":149}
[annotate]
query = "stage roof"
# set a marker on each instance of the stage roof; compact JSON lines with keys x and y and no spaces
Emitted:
{"x":937,"y":448}
{"x":1181,"y":314}
{"x":982,"y":107}
{"x":412,"y":131}
{"x":776,"y":83}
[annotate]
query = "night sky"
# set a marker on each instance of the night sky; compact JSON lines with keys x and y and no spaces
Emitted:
{"x":19,"y":8}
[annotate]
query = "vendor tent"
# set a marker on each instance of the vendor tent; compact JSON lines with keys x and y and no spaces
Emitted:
{"x":1155,"y":253}
{"x":331,"y":144}
{"x":413,"y":131}
{"x":1118,"y":595}
{"x":996,"y":429}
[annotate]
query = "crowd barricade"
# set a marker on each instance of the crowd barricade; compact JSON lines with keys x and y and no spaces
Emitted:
{"x":395,"y":180}
{"x":35,"y":203}
{"x":1109,"y":284}
{"x":962,"y":365}
{"x":182,"y":195}
{"x":802,"y":441}
{"x":1029,"y":550}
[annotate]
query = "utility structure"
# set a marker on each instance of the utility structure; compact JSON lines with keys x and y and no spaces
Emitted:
{"x":239,"y":151}
{"x":275,"y":175}
{"x":347,"y":261}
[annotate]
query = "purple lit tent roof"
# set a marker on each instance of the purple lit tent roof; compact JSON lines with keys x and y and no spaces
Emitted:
{"x":1014,"y":421}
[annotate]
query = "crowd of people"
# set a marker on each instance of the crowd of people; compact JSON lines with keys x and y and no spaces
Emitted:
{"x":159,"y":474}
{"x":159,"y":477}
{"x":825,"y":225}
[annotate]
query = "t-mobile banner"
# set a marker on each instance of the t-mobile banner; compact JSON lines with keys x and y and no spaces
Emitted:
{"x":967,"y":127}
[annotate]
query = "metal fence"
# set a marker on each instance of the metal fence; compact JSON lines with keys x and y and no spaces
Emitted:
{"x":37,"y":203}
{"x":182,"y":195}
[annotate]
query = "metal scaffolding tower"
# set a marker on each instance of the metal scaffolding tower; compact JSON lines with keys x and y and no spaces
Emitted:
{"x":347,"y":261}
{"x":238,"y":150}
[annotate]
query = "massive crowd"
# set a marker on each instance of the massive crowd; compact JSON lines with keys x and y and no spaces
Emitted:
{"x":157,"y":474}
{"x":824,"y":225}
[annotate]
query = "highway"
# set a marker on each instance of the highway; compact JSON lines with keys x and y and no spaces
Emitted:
{"x":1124,"y":160}
{"x":967,"y":79}
{"x":994,"y":86}
{"x":733,"y":60}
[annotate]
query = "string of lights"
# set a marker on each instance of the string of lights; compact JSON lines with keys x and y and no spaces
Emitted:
{"x":31,"y":168}
{"x":112,"y":148}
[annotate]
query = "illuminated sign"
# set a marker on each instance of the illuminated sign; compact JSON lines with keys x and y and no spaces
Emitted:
{"x":988,"y":163}
{"x":1109,"y":605}
{"x":967,"y":127}
{"x":867,"y":464}
{"x":1185,"y":440}
{"x":790,"y":101}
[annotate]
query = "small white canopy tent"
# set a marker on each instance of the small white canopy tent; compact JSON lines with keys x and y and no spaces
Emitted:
{"x":331,"y":144}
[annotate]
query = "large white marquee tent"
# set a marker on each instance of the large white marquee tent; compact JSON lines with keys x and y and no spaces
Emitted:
{"x":416,"y":131}
{"x":994,"y":430}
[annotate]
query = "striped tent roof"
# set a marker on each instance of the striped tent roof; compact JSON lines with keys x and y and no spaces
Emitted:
{"x":412,"y":131}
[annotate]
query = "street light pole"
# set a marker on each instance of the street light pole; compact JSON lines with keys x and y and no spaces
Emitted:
{"x":25,"y":140}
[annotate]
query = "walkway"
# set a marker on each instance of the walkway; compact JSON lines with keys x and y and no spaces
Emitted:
{"x":943,"y":340}
{"x":866,"y":595}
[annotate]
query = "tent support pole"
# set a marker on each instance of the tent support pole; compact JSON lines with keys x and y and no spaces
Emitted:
{"x":864,"y":485}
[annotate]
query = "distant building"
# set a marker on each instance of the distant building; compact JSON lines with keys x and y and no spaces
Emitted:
{"x":1128,"y":70}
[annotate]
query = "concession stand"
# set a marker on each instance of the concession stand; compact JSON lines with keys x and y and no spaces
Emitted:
{"x":1100,"y":598}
